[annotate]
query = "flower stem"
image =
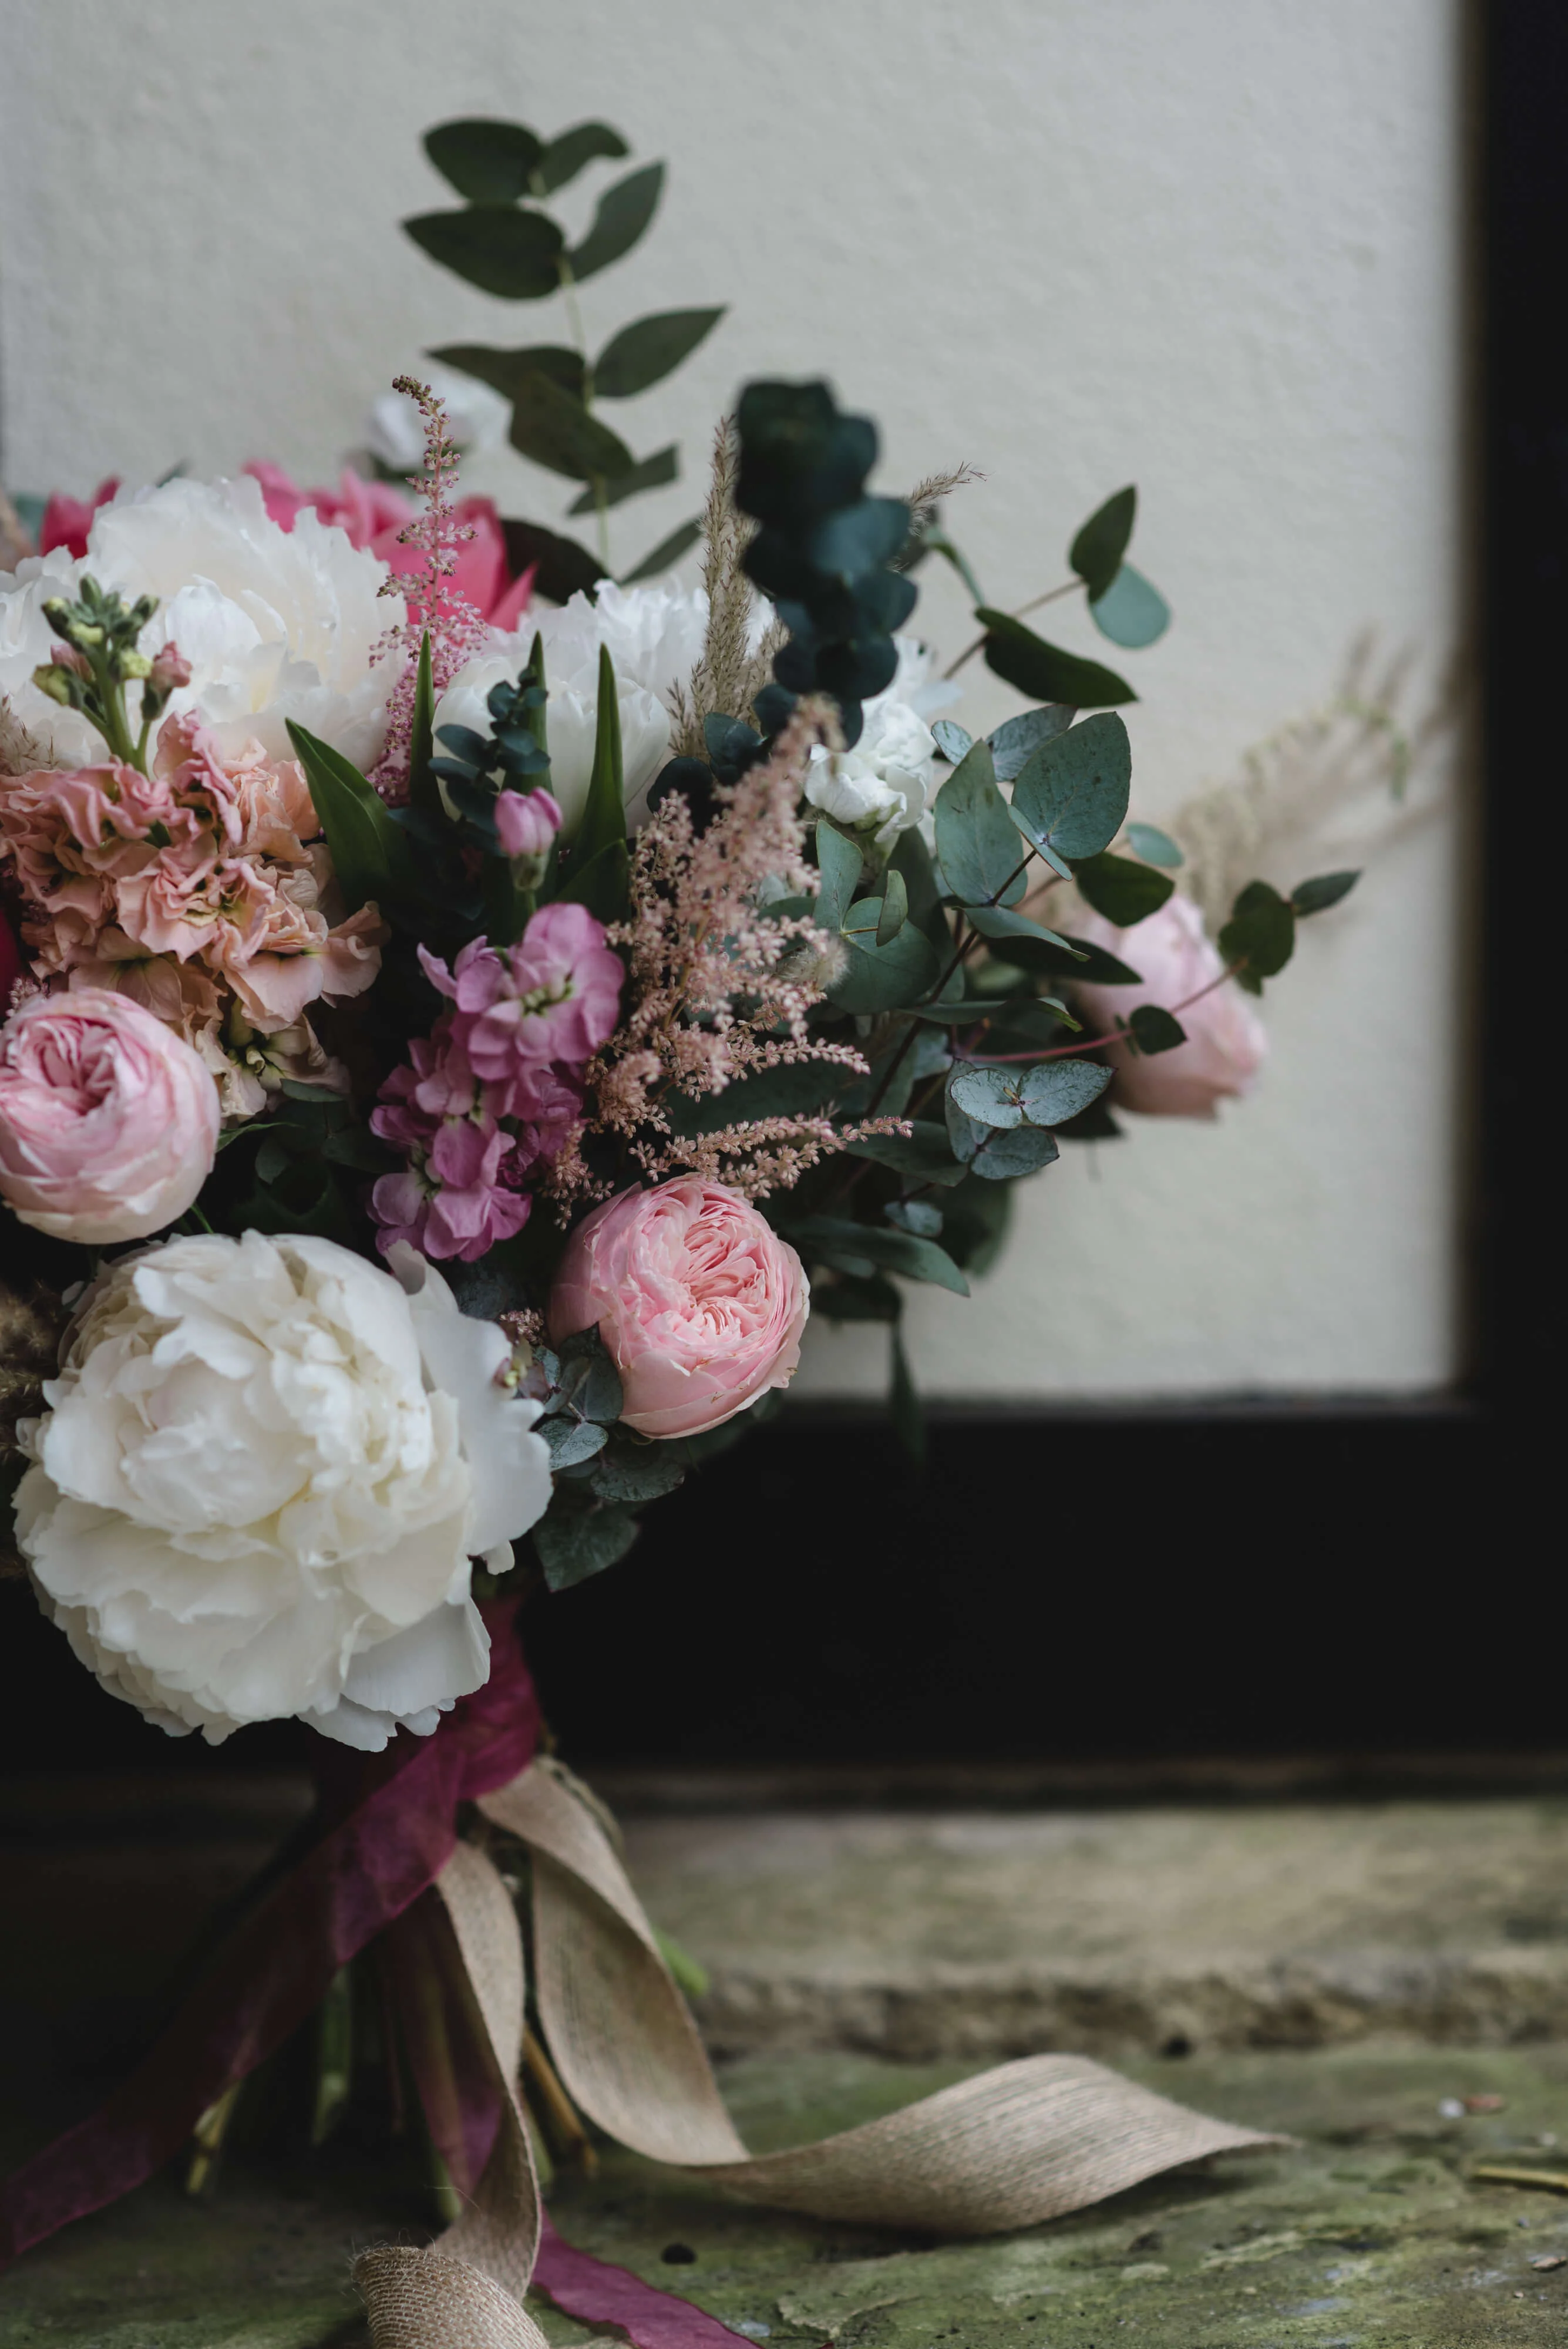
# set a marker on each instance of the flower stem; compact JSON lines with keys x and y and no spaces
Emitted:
{"x":1068,"y":588}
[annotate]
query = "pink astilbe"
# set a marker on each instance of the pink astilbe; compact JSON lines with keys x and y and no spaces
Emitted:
{"x":718,"y":989}
{"x":435,"y":604}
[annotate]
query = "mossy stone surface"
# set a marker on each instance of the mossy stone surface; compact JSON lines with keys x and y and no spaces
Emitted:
{"x":1369,"y":2231}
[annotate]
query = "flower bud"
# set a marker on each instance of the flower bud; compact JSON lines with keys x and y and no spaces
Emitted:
{"x":169,"y":671}
{"x":55,"y":678}
{"x":133,"y":664}
{"x":527,"y":822}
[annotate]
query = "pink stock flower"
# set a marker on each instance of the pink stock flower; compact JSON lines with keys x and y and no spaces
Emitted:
{"x":374,"y":513}
{"x":1226,"y":1040}
{"x":66,"y":521}
{"x":699,"y":1302}
{"x":109,"y":1120}
{"x":527,"y":822}
{"x":554,"y":995}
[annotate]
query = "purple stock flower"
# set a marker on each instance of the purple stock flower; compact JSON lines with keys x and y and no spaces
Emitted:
{"x":554,"y":995}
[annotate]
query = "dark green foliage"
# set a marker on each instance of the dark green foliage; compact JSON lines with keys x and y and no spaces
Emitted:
{"x":1318,"y":895}
{"x":557,"y":431}
{"x":1045,"y":672}
{"x":653,"y":473}
{"x":500,"y":248}
{"x":1014,"y":743}
{"x":665,"y":554}
{"x":1154,"y":1029}
{"x":1097,"y":553}
{"x":580,"y":1535}
{"x":883,"y":978}
{"x":644,"y":353}
{"x":370,"y":855}
{"x":572,"y":150}
{"x":1125,"y":891}
{"x":1260,"y":937}
{"x":863,"y":1248}
{"x":561,"y":567}
{"x":624,"y":213}
{"x":977,"y":843}
{"x":1071,"y":795}
{"x":489,"y":162}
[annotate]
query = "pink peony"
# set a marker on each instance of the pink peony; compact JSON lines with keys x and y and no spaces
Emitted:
{"x":66,"y":521}
{"x":374,"y":513}
{"x":1226,"y":1040}
{"x":108,"y":1121}
{"x":699,"y":1302}
{"x":554,"y":995}
{"x":527,"y":822}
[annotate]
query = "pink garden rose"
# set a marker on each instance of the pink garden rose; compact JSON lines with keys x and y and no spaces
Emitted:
{"x":1226,"y":1040}
{"x":108,"y":1121}
{"x":699,"y":1302}
{"x":374,"y":513}
{"x":554,"y":996}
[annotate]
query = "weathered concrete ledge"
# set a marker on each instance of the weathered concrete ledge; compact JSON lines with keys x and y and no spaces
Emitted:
{"x":953,"y":1935}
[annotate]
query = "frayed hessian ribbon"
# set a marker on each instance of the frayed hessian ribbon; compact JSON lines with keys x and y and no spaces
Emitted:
{"x":1026,"y":2142}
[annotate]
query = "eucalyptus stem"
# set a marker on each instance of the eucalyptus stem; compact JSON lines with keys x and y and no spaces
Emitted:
{"x":1070,"y":587}
{"x":568,"y":286}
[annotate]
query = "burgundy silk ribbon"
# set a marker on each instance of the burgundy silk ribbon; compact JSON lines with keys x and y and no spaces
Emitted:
{"x":391,"y":1827}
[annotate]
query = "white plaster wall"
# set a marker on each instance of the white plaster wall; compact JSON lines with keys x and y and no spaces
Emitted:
{"x":1206,"y":246}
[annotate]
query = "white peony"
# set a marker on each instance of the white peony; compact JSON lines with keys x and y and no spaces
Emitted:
{"x":264,"y":1469}
{"x":477,"y":419}
{"x":881,"y":787}
{"x":571,"y":720}
{"x":276,"y":624}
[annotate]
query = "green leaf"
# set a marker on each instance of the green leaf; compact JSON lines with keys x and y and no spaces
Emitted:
{"x":572,"y":1441}
{"x":952,"y":740}
{"x":562,"y":568}
{"x":1132,"y":612}
{"x":1123,"y":891}
{"x":1154,"y":847}
{"x":1045,"y":672}
{"x":903,"y":1252}
{"x":997,"y":922}
{"x":1261,"y":935}
{"x":557,"y":431}
{"x":423,"y":790}
{"x":370,"y":854}
{"x":884,"y":978}
{"x":602,"y":882}
{"x":574,"y":1544}
{"x":650,"y":348}
{"x":989,"y":1096}
{"x":1015,"y":743}
{"x":584,"y":143}
{"x":870,"y":1299}
{"x":504,"y":370}
{"x":488,"y":162}
{"x":797,"y":1090}
{"x":840,"y":864}
{"x":922,"y":1217}
{"x":589,"y":1383}
{"x":1154,"y":1029}
{"x":1054,"y":1090}
{"x":624,"y":212}
{"x":1005,"y":1157}
{"x":923,"y":1156}
{"x":667,"y":554}
{"x":497,"y":247}
{"x":1071,"y":795}
{"x":633,"y":1471}
{"x":1075,"y":958}
{"x":977,"y":844}
{"x":652,"y":473}
{"x":904,"y":1401}
{"x":1318,"y":895}
{"x":1095,"y":554}
{"x":895,"y":908}
{"x":604,"y":810}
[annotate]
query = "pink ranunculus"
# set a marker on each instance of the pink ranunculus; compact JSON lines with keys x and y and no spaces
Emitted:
{"x":527,"y":822}
{"x":374,"y":514}
{"x":699,"y":1302}
{"x":1175,"y":957}
{"x":66,"y":521}
{"x":554,"y":996}
{"x":108,"y":1121}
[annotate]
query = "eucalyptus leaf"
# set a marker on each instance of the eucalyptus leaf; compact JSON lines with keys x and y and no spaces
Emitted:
{"x":798,"y":1089}
{"x":1044,"y":671}
{"x":1122,"y":890}
{"x":1261,"y":935}
{"x":1132,"y":612}
{"x":923,"y":1156}
{"x":1095,"y":553}
{"x":623,"y":214}
{"x":632,"y":1472}
{"x":1003,"y":1157}
{"x":590,"y":1382}
{"x":922,"y":1217}
{"x":572,"y":150}
{"x":1155,"y":848}
{"x":489,"y":162}
{"x":667,"y":554}
{"x":504,"y":370}
{"x":1154,"y":1029}
{"x":574,"y":1543}
{"x":840,"y":863}
{"x":905,"y":1252}
{"x":497,"y":247}
{"x":1071,"y":794}
{"x":952,"y":740}
{"x":989,"y":1096}
{"x":556,"y":431}
{"x":644,"y":353}
{"x":1054,"y":1090}
{"x":895,"y":908}
{"x":999,"y":923}
{"x":1074,"y":958}
{"x":1015,"y":742}
{"x":977,"y":843}
{"x":561,"y":567}
{"x":572,"y":1441}
{"x":884,"y":978}
{"x":965,"y":1133}
{"x":1316,"y":896}
{"x":652,"y":473}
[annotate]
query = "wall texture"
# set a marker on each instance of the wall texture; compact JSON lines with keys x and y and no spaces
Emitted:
{"x":1080,"y":241}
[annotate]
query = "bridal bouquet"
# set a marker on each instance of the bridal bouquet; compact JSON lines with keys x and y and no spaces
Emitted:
{"x":453,"y":1044}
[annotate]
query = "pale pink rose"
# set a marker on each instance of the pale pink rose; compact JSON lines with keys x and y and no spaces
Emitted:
{"x":374,"y":514}
{"x":527,"y":822}
{"x":1175,"y":958}
{"x":554,"y":996}
{"x":699,"y":1302}
{"x":108,"y":1121}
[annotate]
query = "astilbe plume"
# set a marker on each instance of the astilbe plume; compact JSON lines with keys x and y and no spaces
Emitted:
{"x":721,"y":988}
{"x":457,"y":629}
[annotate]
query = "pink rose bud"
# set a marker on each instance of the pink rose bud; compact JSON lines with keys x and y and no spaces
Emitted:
{"x":1175,"y":957}
{"x":699,"y":1302}
{"x":169,"y":671}
{"x":527,"y":822}
{"x":109,"y":1120}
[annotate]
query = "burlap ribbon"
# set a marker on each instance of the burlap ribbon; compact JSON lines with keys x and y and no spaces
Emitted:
{"x":1023,"y":2143}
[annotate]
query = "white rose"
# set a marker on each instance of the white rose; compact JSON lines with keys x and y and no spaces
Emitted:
{"x":477,"y":419}
{"x":276,"y":624}
{"x":264,"y":1469}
